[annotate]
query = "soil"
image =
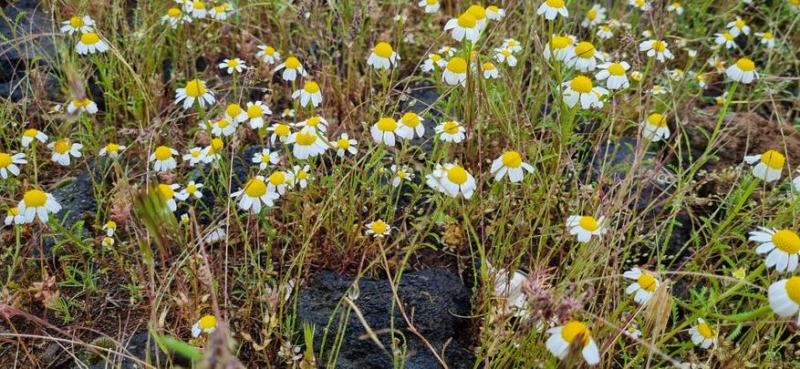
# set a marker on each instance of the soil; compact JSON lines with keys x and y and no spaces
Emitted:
{"x":745,"y":134}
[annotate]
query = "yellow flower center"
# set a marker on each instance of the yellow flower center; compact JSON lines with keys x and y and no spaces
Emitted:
{"x":773,"y":159}
{"x":647,"y":282}
{"x":166,"y":191}
{"x":112,"y":147}
{"x":174,"y":12}
{"x":467,"y":20}
{"x":311,"y":87}
{"x":640,"y":3}
{"x":616,"y":69}
{"x":30,"y":133}
{"x":588,"y":223}
{"x":786,"y":241}
{"x":254,"y":111}
{"x":76,"y":22}
{"x":457,"y":65}
{"x":451,"y":127}
{"x":659,"y":46}
{"x":512,"y":43}
{"x":706,"y":331}
{"x":581,"y":84}
{"x":305,"y":139}
{"x":163,"y":153}
{"x":657,"y":120}
{"x":219,"y":9}
{"x":591,"y":14}
{"x":13,"y":211}
{"x":574,"y":329}
{"x":283,"y":130}
{"x":269,"y":50}
{"x":492,"y":8}
{"x":746,"y":65}
{"x":111,"y":225}
{"x":81,"y":103}
{"x":560,"y":42}
{"x":90,"y":38}
{"x":739,"y":24}
{"x":767,"y":35}
{"x":477,"y":11}
{"x":387,"y":125}
{"x":62,"y":146}
{"x":457,"y":175}
{"x":431,"y":2}
{"x":606,"y":28}
{"x":255,"y":188}
{"x":34,"y":198}
{"x":223,"y":123}
{"x":292,"y":63}
{"x":555,"y":3}
{"x":728,"y":36}
{"x":512,"y":159}
{"x":793,"y":289}
{"x":402,"y":174}
{"x":379,"y":227}
{"x":301,"y":175}
{"x":277,"y":178}
{"x":383,"y":49}
{"x":198,"y":5}
{"x":195,"y":88}
{"x":435,"y":57}
{"x":410,"y":119}
{"x":343,"y":143}
{"x":233,"y":63}
{"x":207,"y":322}
{"x":584,"y":50}
{"x":5,"y":160}
{"x":506,"y":52}
{"x":195,"y":153}
{"x":233,"y":110}
{"x":217,"y":144}
{"x":487,"y":66}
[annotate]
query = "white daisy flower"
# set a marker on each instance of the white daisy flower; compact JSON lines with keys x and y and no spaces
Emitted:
{"x":744,"y":71}
{"x":232,"y":65}
{"x":63,"y":149}
{"x":552,"y":8}
{"x":465,"y":27}
{"x":654,"y":128}
{"x":411,"y":123}
{"x":769,"y":167}
{"x":383,"y":132}
{"x":8,"y":164}
{"x":265,"y":158}
{"x":510,"y":163}
{"x":162,"y":158}
{"x":255,"y":113}
{"x":309,"y":94}
{"x":255,"y":193}
{"x":644,"y":287}
{"x":782,"y":248}
{"x":36,"y":204}
{"x":83,"y":24}
{"x":784,"y":297}
{"x":400,"y":174}
{"x":346,"y":144}
{"x":382,"y":56}
{"x":455,"y":73}
{"x":291,"y":68}
{"x":614,"y":75}
{"x":90,"y":43}
{"x":307,"y":143}
{"x":268,"y":54}
{"x":563,"y":337}
{"x":451,"y":131}
{"x":703,"y":335}
{"x":585,"y":227}
{"x":195,"y":90}
{"x":581,"y":89}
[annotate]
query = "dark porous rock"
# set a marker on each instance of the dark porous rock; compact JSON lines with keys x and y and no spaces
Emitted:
{"x":613,"y":166}
{"x":435,"y":301}
{"x":77,"y":199}
{"x":422,"y":100}
{"x":139,"y":349}
{"x":28,"y":27}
